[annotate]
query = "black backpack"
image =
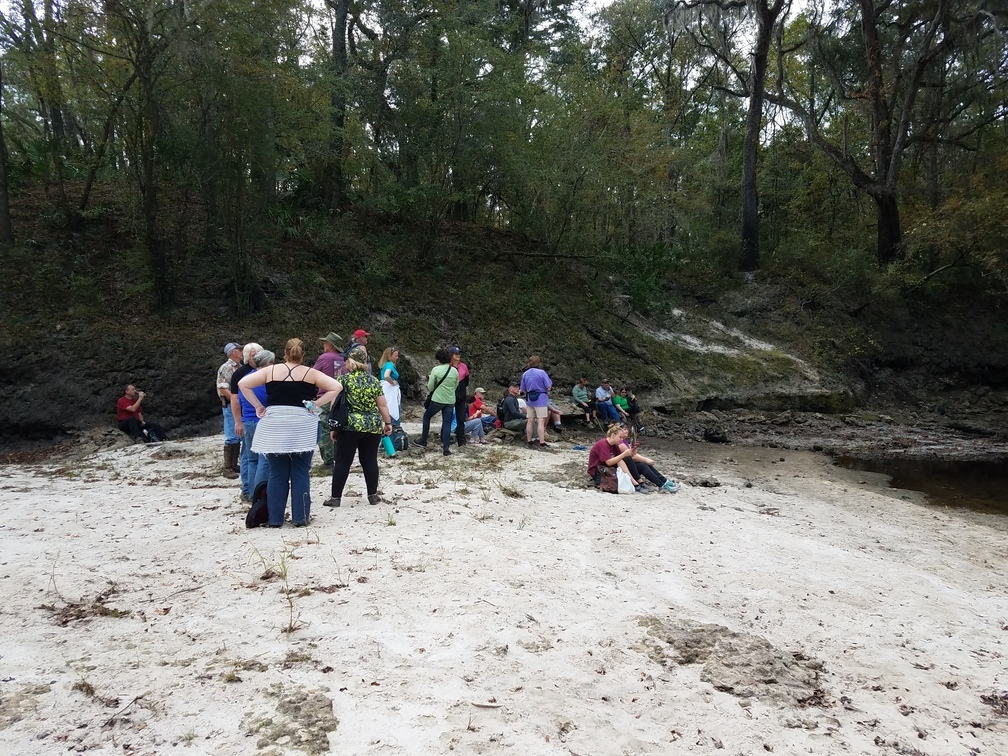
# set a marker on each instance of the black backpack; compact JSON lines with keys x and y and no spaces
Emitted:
{"x":258,"y":513}
{"x":400,"y":441}
{"x":340,"y":409}
{"x":501,"y":411}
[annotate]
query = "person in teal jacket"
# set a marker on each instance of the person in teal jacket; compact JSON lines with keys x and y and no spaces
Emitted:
{"x":441,"y":384}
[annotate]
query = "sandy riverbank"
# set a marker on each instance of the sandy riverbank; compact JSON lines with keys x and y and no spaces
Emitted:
{"x":497,"y":606}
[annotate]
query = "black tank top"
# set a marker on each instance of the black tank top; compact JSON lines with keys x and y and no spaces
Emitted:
{"x":289,"y":392}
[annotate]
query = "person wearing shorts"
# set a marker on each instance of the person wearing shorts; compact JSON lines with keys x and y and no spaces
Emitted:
{"x":536,"y":384}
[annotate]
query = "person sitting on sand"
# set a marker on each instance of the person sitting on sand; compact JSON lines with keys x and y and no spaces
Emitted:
{"x":607,"y":452}
{"x":131,"y":419}
{"x":642,"y":467}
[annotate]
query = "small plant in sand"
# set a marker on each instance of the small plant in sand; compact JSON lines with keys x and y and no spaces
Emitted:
{"x":269,"y":570}
{"x":495,"y":460}
{"x":72,"y":611}
{"x":342,"y":574}
{"x":294,"y":622}
{"x":510,"y":491}
{"x":390,"y":521}
{"x":484,"y":516}
{"x":523,"y":522}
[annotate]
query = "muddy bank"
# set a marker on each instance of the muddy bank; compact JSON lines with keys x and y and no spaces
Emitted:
{"x":863,"y":434}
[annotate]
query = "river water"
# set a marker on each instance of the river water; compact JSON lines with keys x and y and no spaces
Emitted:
{"x":979,"y":486}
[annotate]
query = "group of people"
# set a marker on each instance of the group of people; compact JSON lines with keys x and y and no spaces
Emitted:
{"x":276,"y":412}
{"x":286,"y":411}
{"x":607,"y":405}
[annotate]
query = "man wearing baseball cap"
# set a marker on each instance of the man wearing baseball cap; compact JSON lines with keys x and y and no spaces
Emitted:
{"x":232,"y":444}
{"x":332,"y":364}
{"x":360,"y":337}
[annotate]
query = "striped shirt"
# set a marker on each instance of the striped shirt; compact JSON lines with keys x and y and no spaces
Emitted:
{"x":284,"y":430}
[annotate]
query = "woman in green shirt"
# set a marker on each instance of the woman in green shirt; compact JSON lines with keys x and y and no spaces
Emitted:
{"x":441,"y":384}
{"x":368,"y":421}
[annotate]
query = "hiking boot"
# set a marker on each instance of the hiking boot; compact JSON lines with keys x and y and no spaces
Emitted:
{"x":419,"y":444}
{"x":332,"y":501}
{"x":373,"y":499}
{"x":447,"y":452}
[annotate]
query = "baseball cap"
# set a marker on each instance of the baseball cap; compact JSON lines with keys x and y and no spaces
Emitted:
{"x":454,"y":350}
{"x":480,"y":390}
{"x":230,"y":346}
{"x":359,"y":333}
{"x":358,"y":354}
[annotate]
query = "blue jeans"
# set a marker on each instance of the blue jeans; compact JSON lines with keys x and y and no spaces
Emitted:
{"x":288,"y":473}
{"x":446,"y":420}
{"x":608,"y":411}
{"x":249,"y":459}
{"x":230,"y":437}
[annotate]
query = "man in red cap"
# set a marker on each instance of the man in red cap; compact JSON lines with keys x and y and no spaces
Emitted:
{"x":360,"y":337}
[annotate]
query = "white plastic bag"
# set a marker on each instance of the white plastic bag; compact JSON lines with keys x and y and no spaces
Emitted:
{"x":624,"y":482}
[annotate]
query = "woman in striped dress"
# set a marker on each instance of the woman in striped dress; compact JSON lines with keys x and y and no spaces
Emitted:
{"x":288,"y":432}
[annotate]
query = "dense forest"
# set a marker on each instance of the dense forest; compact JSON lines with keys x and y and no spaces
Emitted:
{"x":857,"y":146}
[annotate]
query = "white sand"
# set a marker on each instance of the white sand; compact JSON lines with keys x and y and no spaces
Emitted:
{"x":476,"y":622}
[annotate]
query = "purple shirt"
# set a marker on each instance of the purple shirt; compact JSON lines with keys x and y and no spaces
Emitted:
{"x":536,"y":380}
{"x":330,"y":363}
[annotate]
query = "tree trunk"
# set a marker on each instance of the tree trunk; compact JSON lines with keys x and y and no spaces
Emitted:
{"x":766,"y":19}
{"x":750,"y":197}
{"x":6,"y":229}
{"x":889,"y":246}
{"x":154,"y":245}
{"x":335,"y":182}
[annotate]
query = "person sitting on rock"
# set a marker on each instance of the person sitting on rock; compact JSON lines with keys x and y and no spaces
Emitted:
{"x":486,"y":412}
{"x":626,"y":401}
{"x":604,"y":403}
{"x":583,"y":400}
{"x":131,"y":419}
{"x":509,"y":411}
{"x":474,"y":424}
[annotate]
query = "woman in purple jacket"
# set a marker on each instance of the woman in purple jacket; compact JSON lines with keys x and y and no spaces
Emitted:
{"x":536,"y":385}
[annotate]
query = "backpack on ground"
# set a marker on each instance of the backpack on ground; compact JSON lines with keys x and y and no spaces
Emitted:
{"x":258,"y":513}
{"x":400,"y":440}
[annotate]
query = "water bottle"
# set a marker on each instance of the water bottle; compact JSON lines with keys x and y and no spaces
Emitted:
{"x":312,"y":407}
